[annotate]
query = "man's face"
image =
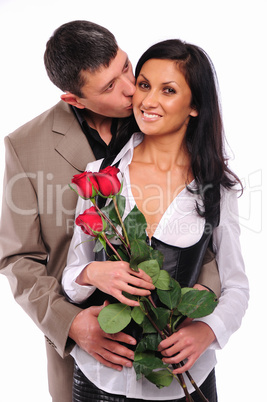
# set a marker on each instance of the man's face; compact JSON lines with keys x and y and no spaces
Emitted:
{"x":109,"y":90}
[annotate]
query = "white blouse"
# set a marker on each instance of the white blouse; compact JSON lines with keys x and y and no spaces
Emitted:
{"x":180,"y":226}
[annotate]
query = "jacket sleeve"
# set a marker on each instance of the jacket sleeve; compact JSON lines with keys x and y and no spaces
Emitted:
{"x":24,"y":256}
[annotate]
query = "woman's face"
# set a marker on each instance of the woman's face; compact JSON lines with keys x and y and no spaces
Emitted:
{"x":162,"y":100}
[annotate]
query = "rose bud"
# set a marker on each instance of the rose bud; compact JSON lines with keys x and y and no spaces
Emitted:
{"x":108,"y":181}
{"x":86,"y":183}
{"x":90,"y":222}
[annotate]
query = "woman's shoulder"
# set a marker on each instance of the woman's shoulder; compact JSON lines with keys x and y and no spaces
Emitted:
{"x":229,"y":205}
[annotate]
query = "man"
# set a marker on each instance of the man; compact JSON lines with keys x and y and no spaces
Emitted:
{"x":38,"y":207}
{"x":85,"y":62}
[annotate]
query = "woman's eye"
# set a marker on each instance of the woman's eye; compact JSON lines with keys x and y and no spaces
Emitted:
{"x":143,"y":85}
{"x":169,"y":91}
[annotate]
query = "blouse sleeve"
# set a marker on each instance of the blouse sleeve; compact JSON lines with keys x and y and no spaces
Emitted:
{"x":80,"y":253}
{"x":227,"y":316}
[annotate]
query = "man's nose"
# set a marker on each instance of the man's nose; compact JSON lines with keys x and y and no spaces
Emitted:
{"x":128,"y":85}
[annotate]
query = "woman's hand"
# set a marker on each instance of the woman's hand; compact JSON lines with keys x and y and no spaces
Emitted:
{"x":115,"y":277}
{"x":189,"y":343}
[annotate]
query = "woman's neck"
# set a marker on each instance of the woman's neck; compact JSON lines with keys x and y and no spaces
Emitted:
{"x":165,"y":153}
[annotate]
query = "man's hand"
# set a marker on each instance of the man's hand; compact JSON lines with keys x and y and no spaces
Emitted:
{"x":86,"y":332}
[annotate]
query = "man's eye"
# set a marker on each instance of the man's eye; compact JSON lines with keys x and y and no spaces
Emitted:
{"x":126,"y":67}
{"x":110,"y":87}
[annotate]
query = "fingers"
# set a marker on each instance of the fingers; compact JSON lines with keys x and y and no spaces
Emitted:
{"x":185,"y":367}
{"x":125,"y":300}
{"x":113,"y":355}
{"x":104,"y":347}
{"x":145,"y":279}
{"x":117,"y":277}
{"x":122,"y":337}
{"x":106,"y":362}
{"x":140,"y":283}
{"x":187,"y":344}
{"x":179,"y":352}
{"x":171,"y":346}
{"x":95,"y":310}
{"x":123,"y":273}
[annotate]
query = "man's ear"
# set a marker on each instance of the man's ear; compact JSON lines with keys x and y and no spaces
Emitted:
{"x":72,"y":100}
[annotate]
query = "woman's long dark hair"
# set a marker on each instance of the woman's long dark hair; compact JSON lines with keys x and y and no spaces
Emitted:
{"x":204,"y":135}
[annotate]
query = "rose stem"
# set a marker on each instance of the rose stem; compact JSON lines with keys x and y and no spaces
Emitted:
{"x":163,"y":336}
{"x":121,"y":222}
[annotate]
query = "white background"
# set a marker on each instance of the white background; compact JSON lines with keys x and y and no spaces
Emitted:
{"x":234,"y":35}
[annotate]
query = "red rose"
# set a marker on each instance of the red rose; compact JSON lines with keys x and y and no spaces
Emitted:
{"x":90,"y":222}
{"x":108,"y":181}
{"x":86,"y":184}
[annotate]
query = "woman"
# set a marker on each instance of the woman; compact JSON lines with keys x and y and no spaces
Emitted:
{"x":175,"y":171}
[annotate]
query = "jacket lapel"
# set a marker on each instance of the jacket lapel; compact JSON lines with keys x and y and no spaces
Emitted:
{"x":70,"y":141}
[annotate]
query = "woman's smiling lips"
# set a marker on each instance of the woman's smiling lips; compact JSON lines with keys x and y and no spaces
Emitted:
{"x":150,"y":116}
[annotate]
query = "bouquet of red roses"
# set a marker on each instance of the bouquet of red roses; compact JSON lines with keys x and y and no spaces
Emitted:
{"x":176,"y":303}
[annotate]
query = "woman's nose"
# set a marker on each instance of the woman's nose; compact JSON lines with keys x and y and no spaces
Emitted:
{"x":150,"y":100}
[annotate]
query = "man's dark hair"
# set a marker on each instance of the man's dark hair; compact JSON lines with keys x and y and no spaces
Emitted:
{"x":75,"y":47}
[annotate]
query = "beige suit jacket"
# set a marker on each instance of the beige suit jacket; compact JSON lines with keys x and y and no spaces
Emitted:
{"x":38,"y":216}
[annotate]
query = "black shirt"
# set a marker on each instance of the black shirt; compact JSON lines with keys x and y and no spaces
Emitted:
{"x":99,"y":147}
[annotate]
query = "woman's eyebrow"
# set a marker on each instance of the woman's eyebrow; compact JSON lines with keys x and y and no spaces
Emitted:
{"x":163,"y":83}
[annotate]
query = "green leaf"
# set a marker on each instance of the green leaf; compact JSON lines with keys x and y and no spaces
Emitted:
{"x":129,"y":296}
{"x":148,"y":327}
{"x":114,"y":317}
{"x":98,"y":246}
{"x":185,"y":290}
{"x":175,"y":321}
{"x":161,"y":378}
{"x":156,"y":255}
{"x":135,"y":225}
{"x":163,"y":281}
{"x":121,"y":251}
{"x":197,"y":303}
{"x":110,"y":211}
{"x":161,"y":316}
{"x":145,"y":363}
{"x":139,"y":253}
{"x":138,"y":315}
{"x":151,"y":267}
{"x":170,"y":297}
{"x":149,"y":342}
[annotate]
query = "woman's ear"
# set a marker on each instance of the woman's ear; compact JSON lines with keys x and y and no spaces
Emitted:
{"x":194,"y":112}
{"x":72,"y":100}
